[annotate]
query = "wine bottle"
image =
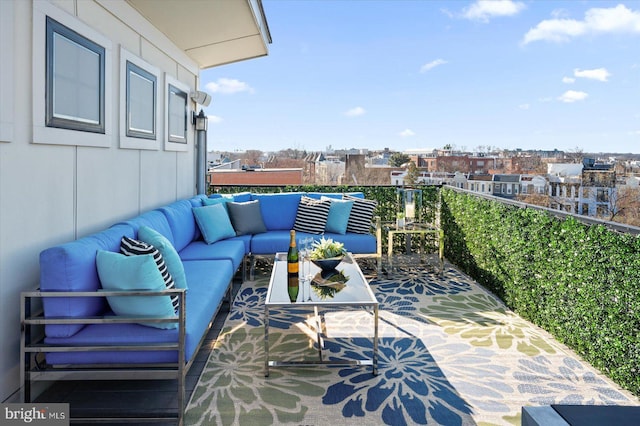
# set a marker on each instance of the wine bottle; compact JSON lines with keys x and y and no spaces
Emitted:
{"x":292,"y":268}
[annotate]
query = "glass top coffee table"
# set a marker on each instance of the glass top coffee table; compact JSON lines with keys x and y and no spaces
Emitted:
{"x":355,"y":292}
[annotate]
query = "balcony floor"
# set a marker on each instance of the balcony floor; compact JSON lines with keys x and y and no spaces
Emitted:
{"x":482,"y":363}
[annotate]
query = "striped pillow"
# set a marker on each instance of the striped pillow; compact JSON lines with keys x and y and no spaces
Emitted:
{"x":131,"y":247}
{"x":361,"y":214}
{"x":312,"y":215}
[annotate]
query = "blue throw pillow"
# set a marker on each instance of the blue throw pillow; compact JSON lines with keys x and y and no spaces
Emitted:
{"x":119,"y":272}
{"x":214,"y":223}
{"x":339,"y":213}
{"x":169,"y":253}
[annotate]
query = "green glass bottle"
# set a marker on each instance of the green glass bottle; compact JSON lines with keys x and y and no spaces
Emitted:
{"x":292,"y":268}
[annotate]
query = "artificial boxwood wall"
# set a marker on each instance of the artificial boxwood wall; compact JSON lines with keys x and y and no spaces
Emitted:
{"x":579,"y":282}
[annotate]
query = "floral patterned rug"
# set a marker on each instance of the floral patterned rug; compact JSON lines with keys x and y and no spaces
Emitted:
{"x":450,"y":353}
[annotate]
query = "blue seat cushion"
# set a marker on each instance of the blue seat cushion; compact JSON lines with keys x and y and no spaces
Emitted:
{"x":356,"y":243}
{"x":271,"y":242}
{"x":154,"y":219}
{"x":232,"y":250}
{"x":72,"y":267}
{"x":208,"y":283}
{"x":279,"y":210}
{"x":183,"y":226}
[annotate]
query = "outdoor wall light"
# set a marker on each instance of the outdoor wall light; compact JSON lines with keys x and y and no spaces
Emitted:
{"x":201,"y":121}
{"x":200,"y":97}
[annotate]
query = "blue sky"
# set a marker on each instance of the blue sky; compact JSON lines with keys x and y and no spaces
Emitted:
{"x":424,"y":73}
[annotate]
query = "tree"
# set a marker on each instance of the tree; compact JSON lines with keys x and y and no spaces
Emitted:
{"x":625,"y":206}
{"x":252,"y":157}
{"x":575,"y":155}
{"x":397,"y":159}
{"x":412,"y":174}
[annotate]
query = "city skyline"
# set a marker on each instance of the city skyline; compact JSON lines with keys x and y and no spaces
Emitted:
{"x":421,"y":75}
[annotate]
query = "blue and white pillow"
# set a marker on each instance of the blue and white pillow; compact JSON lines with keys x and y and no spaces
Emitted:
{"x":361,"y":214}
{"x":312,"y":215}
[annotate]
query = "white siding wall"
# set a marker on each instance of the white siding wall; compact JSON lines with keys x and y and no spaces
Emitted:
{"x":52,"y":194}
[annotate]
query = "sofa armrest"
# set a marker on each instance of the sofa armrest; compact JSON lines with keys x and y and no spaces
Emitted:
{"x":32,"y":334}
{"x":28,"y":318}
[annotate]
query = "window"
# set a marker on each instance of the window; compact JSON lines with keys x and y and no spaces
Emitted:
{"x":177,"y":115}
{"x":72,"y":93}
{"x":75,"y":70}
{"x":141,"y":102}
{"x":177,"y":109}
{"x":139,"y":112}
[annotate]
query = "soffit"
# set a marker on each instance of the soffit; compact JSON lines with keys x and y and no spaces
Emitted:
{"x":211,"y":32}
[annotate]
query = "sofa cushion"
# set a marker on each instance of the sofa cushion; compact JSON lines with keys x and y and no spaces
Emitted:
{"x":311,"y":216}
{"x":72,"y":267}
{"x":183,"y":225}
{"x":214,"y":223}
{"x":279,"y":210}
{"x":217,"y":200}
{"x":356,"y":243}
{"x":131,"y":247}
{"x":246,"y":217}
{"x":361,"y":214}
{"x":169,"y":253}
{"x":208,"y":282}
{"x":155,"y":219}
{"x":120,"y":272}
{"x":338,"y":217}
{"x":232,"y":249}
{"x":271,"y":242}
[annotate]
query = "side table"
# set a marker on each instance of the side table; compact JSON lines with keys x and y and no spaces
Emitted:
{"x":414,"y":228}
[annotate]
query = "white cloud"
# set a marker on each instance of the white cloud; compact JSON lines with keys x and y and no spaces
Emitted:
{"x":568,"y":80}
{"x":407,"y":133}
{"x":524,"y":106}
{"x":484,"y":10}
{"x":431,"y":65}
{"x":617,"y":19}
{"x":214,"y":119}
{"x":600,"y":74}
{"x":571,"y":96}
{"x":355,"y":112}
{"x":228,"y":86}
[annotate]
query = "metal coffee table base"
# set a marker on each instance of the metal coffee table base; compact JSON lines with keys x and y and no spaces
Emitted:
{"x":373,"y":362}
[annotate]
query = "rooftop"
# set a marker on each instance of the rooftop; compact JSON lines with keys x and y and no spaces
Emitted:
{"x":450,"y":352}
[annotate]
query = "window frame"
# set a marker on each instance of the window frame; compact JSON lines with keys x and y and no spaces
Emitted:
{"x":53,"y":28}
{"x":142,"y":73}
{"x":173,"y":143}
{"x":134,"y":140}
{"x":43,"y":134}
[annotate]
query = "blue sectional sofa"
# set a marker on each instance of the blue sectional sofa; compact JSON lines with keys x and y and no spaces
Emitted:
{"x":86,"y":336}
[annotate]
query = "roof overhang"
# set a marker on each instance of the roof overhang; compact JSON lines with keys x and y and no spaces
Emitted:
{"x":211,"y":32}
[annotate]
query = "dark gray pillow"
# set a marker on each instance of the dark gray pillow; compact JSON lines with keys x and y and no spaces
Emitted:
{"x":246,"y":218}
